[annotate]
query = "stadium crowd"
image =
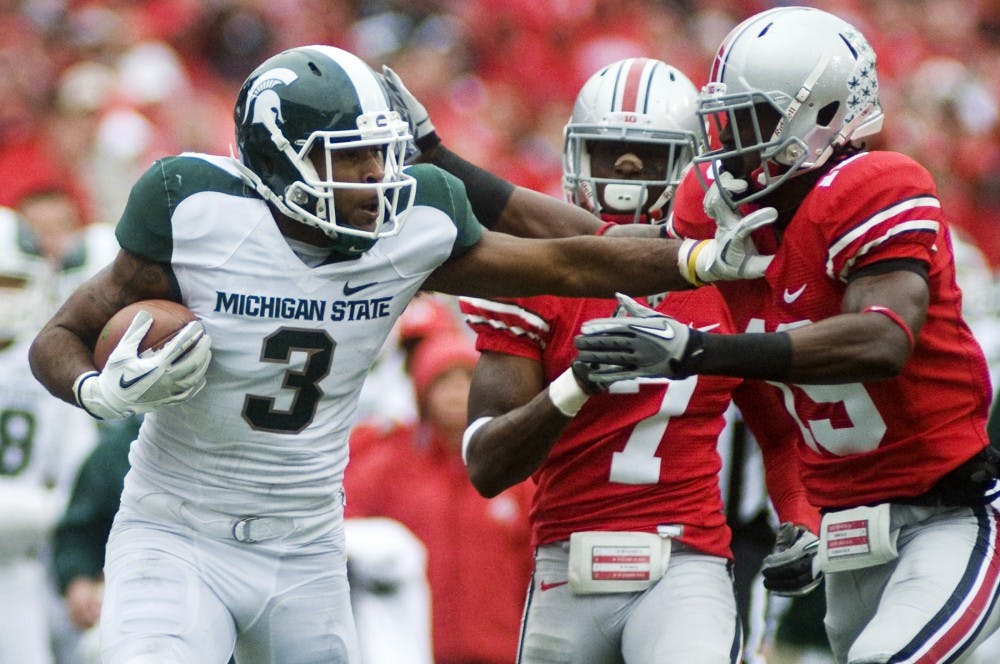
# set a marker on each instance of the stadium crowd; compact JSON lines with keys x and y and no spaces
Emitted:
{"x":93,"y":91}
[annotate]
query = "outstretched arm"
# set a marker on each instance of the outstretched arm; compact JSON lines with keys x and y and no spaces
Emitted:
{"x":870,"y":340}
{"x":501,"y":265}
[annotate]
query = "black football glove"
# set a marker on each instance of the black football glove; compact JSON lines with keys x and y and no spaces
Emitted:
{"x":791,"y":570}
{"x":642,"y":344}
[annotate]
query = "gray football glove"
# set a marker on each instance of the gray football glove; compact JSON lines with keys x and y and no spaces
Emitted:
{"x":731,"y":254}
{"x":642,"y":344}
{"x":410,"y":109}
{"x":132,"y":383}
{"x":791,"y":570}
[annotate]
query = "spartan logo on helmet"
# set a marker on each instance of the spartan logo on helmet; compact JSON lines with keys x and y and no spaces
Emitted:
{"x":262,"y":102}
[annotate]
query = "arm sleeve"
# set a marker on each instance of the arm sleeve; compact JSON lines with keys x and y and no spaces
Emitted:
{"x":144,"y":227}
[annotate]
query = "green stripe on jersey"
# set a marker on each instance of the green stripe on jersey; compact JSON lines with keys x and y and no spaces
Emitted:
{"x":144,"y":228}
{"x":440,"y":189}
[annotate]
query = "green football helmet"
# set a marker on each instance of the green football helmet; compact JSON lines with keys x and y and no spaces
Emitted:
{"x":321,"y":96}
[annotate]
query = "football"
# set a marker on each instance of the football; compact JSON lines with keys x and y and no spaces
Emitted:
{"x":168,"y":319}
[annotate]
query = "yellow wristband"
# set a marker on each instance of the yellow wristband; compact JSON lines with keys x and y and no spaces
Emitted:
{"x":687,"y":256}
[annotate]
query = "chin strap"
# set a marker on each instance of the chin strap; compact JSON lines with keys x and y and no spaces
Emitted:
{"x":254,"y":181}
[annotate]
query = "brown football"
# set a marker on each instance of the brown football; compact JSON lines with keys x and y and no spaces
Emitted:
{"x":168,"y":319}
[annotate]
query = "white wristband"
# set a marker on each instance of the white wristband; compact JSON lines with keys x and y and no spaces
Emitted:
{"x":470,"y":431}
{"x":566,"y":394}
{"x":78,"y":385}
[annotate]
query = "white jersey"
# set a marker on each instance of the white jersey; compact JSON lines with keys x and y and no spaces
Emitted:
{"x":42,"y":439}
{"x":42,"y":442}
{"x":292,"y":344}
{"x":980,"y":300}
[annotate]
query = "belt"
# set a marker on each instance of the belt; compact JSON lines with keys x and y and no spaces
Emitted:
{"x":243,"y":528}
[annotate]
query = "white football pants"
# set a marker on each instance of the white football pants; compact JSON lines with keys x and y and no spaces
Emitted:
{"x":688,"y":616}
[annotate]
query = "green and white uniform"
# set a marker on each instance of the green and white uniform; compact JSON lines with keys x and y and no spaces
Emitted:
{"x":254,"y":462}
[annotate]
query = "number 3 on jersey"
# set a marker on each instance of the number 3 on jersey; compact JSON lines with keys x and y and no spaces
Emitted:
{"x":259,"y":412}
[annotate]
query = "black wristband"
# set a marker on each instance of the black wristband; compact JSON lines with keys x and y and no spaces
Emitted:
{"x":428,"y":142}
{"x":487,"y":192}
{"x":752,"y":355}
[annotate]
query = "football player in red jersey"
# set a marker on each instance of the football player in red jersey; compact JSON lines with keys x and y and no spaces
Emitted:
{"x":857,"y":327}
{"x":627,"y":518}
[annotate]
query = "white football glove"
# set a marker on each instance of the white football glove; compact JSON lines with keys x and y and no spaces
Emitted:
{"x":410,"y":108}
{"x":132,"y":383}
{"x":792,"y":570}
{"x":637,"y":343}
{"x":731,"y":254}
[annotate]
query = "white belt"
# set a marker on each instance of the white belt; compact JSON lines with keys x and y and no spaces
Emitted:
{"x":244,"y":528}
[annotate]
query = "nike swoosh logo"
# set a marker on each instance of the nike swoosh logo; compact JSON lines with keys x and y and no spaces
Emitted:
{"x":549,"y":586}
{"x":351,"y":290}
{"x":708,"y":328}
{"x":791,"y":297}
{"x":666,"y":333}
{"x":125,"y":384}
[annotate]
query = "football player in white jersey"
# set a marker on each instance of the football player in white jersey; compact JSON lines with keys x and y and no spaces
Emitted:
{"x":42,"y":441}
{"x":297,"y":256}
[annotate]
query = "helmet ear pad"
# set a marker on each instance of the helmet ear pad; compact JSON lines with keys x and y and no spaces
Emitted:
{"x":267,"y":166}
{"x":826,"y":114}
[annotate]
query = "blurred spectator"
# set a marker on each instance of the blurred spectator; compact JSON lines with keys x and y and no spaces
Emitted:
{"x":82,"y":532}
{"x":414,"y":474}
{"x":499,"y":76}
{"x":42,"y":442}
{"x":387,"y":396}
{"x":993,"y":427}
{"x":390,"y":597}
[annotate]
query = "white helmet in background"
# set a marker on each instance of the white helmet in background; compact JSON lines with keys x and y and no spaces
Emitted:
{"x":638,"y":100}
{"x":815,"y":70}
{"x":23,"y":279}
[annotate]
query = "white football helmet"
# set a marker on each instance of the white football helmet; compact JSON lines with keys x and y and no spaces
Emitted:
{"x":633,"y":100}
{"x":24,"y":291}
{"x":814,"y":69}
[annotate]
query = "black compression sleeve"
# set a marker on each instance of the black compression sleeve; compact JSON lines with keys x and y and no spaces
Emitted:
{"x":752,"y":355}
{"x":891,"y":265}
{"x":487,"y":192}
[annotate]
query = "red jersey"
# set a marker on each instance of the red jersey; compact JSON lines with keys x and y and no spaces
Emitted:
{"x":410,"y":475}
{"x":642,"y":456}
{"x":863,"y":443}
